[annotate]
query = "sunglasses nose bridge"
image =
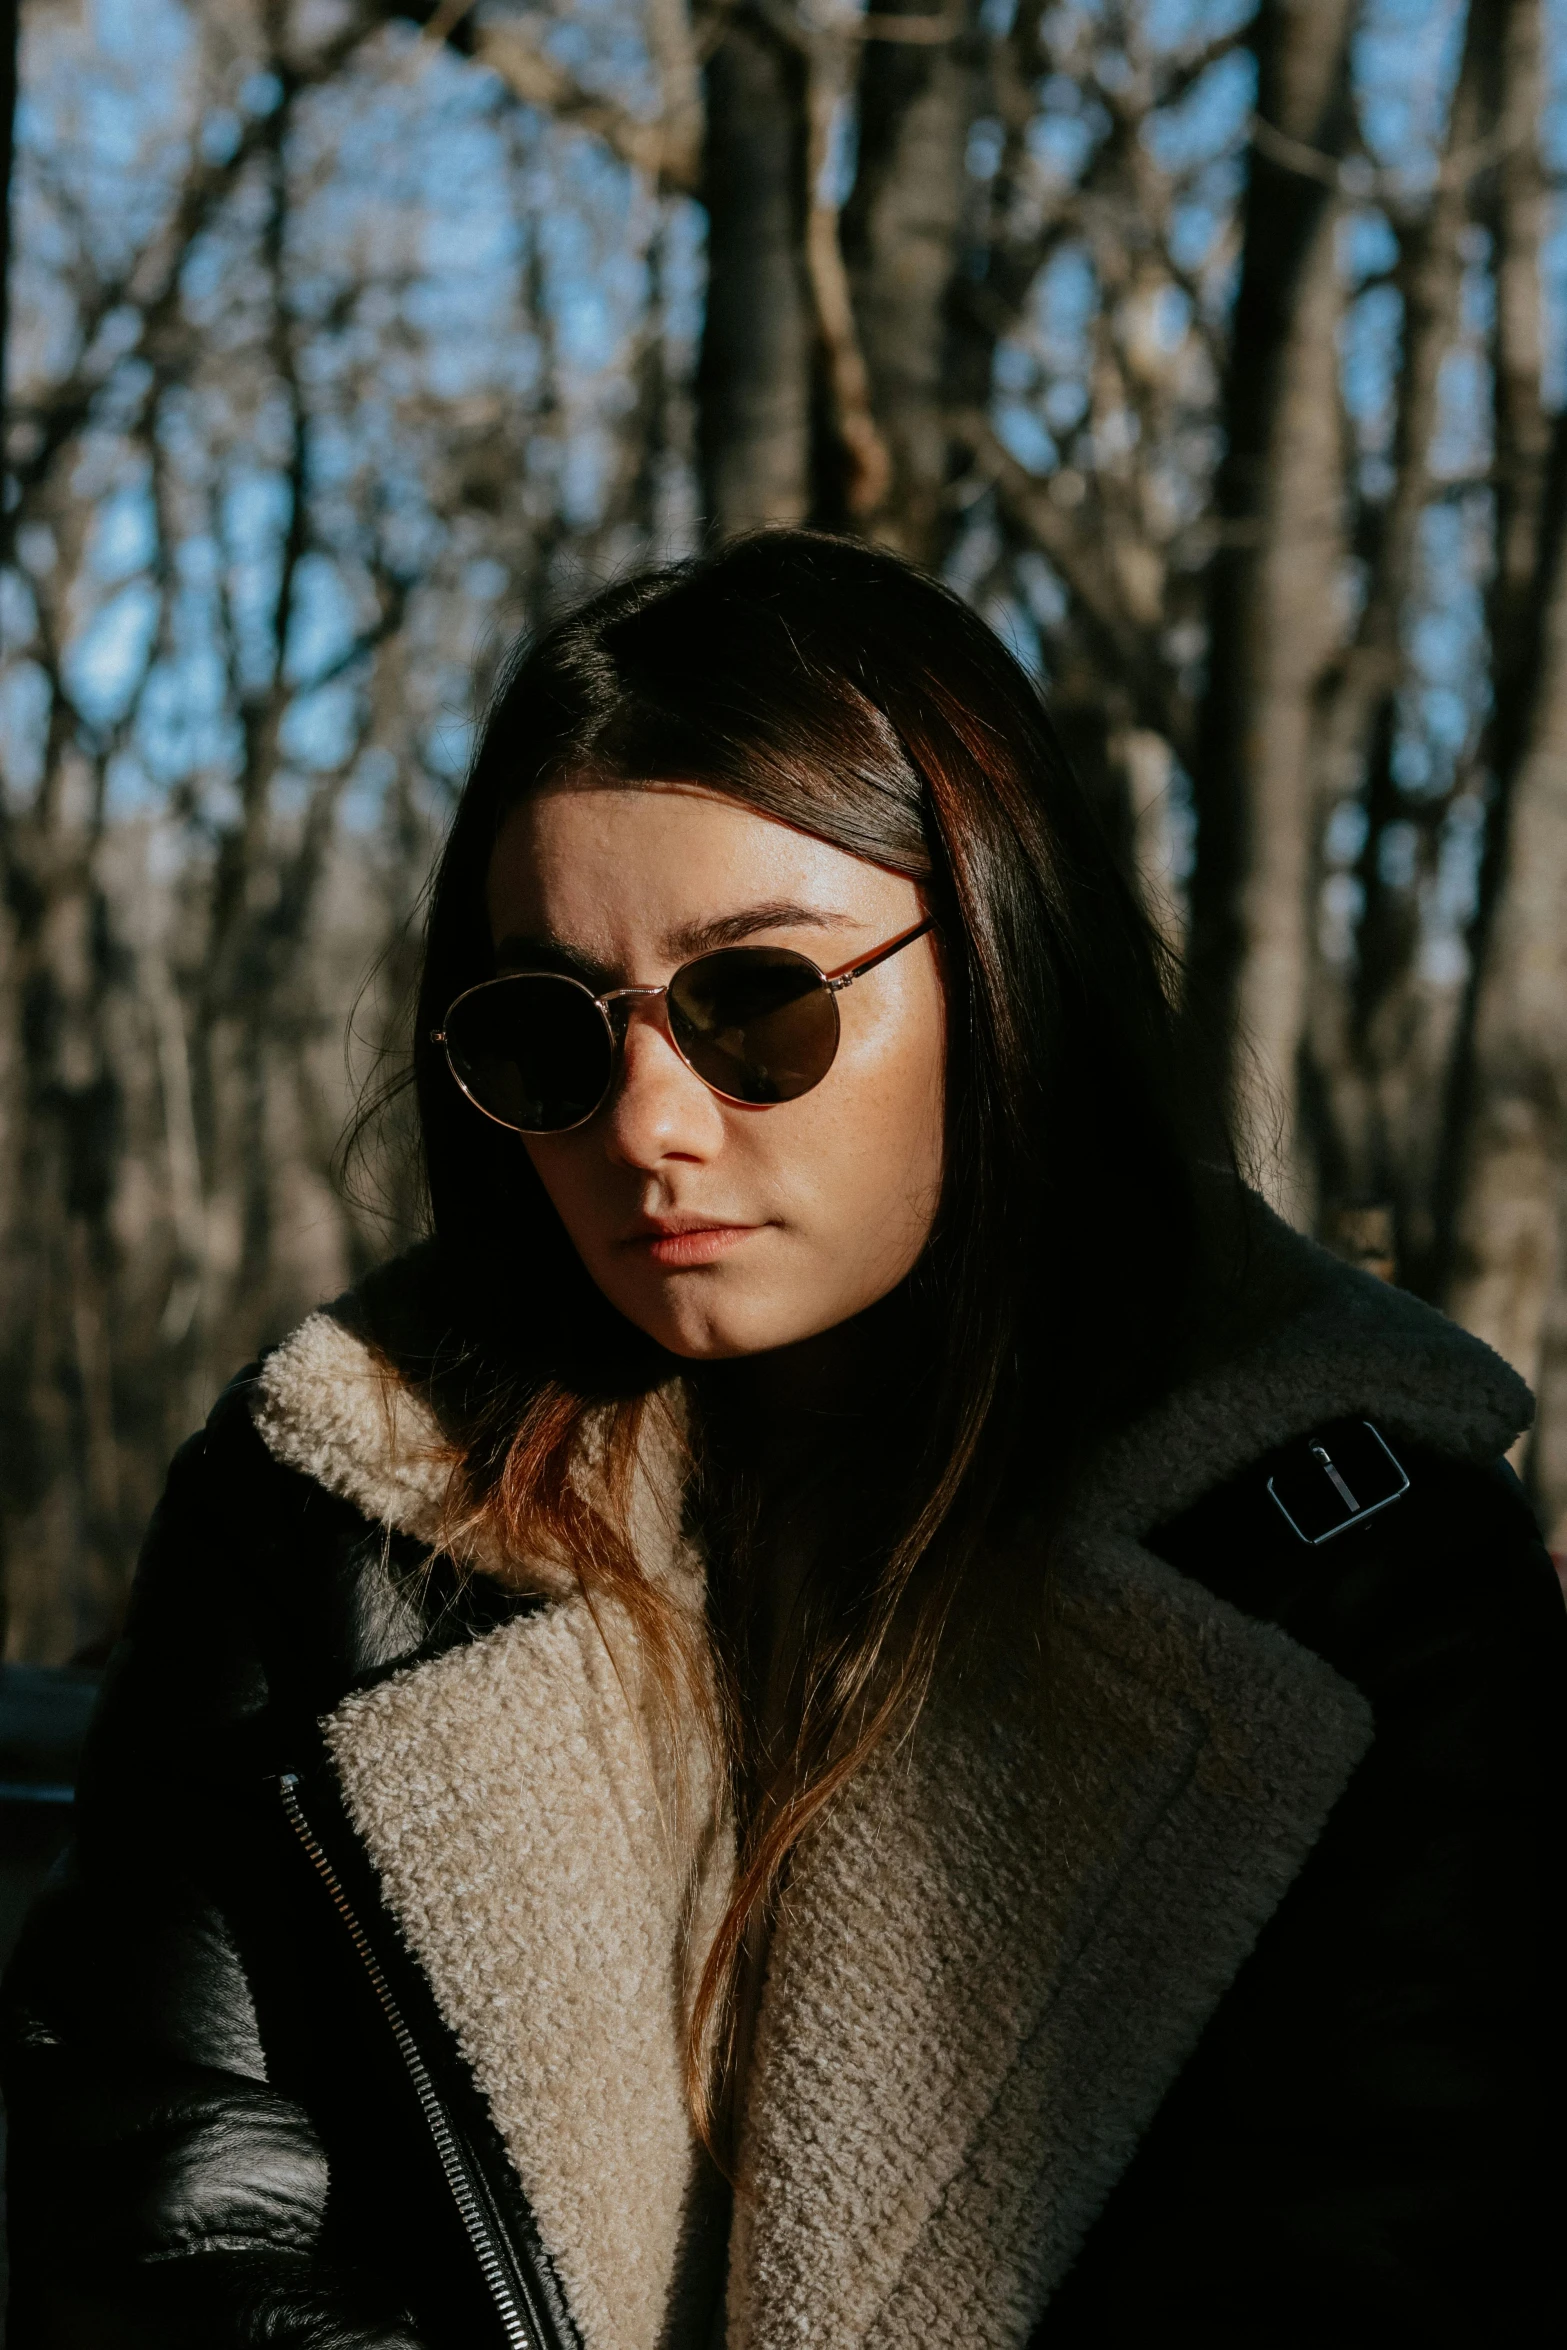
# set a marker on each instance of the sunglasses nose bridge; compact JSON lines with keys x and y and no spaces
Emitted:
{"x":619,"y":1003}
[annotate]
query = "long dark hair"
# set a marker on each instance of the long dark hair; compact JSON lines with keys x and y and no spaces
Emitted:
{"x":829,"y":684}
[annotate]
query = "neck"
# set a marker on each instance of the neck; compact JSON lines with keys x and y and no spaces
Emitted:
{"x":778,"y":1408}
{"x":796,"y":1424}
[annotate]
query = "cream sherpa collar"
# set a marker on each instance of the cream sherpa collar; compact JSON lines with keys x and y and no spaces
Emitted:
{"x":995,"y":1955}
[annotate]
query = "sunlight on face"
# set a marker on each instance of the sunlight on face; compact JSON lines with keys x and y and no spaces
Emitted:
{"x":720,"y":1228}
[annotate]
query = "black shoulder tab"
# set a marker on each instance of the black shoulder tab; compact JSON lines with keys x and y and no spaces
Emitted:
{"x":1291,"y":1501}
{"x":1335,"y":1478}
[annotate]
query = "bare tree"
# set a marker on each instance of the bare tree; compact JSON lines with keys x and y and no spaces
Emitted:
{"x":1513,"y":1195}
{"x":310,"y":542}
{"x":1371,"y":1071}
{"x":754,"y":385}
{"x":1231,"y":413}
{"x":1499,"y":1236}
{"x":1275,"y":569}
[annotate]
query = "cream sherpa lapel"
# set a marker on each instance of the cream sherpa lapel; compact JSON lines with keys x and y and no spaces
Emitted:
{"x":998,"y":1952}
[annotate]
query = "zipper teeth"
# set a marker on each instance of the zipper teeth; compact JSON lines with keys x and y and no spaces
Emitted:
{"x":520,"y":2334}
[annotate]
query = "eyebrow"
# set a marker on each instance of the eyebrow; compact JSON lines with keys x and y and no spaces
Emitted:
{"x":544,"y":950}
{"x":728,"y":930}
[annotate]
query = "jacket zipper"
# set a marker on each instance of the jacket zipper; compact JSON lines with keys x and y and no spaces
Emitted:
{"x":521,"y":2327}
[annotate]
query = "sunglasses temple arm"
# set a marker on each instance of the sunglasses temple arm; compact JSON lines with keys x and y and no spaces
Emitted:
{"x":883,"y":954}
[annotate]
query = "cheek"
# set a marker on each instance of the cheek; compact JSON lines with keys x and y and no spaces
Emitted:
{"x":871,"y":1163}
{"x":849,"y":1176}
{"x":573,"y":1177}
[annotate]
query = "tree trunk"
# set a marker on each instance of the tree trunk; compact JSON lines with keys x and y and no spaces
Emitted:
{"x":1509,"y":1253}
{"x":60,"y":1488}
{"x":1513,"y":207}
{"x":10,"y":37}
{"x":904,"y":229}
{"x":1531,"y":513}
{"x":1380,"y":1036}
{"x":1501,"y":1256}
{"x":1271,"y":607}
{"x":1509,"y":1248}
{"x":1546,"y":1464}
{"x":755,"y":375}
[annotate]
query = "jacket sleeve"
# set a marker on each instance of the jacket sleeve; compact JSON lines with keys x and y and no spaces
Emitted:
{"x":1367,"y":2143}
{"x":163,"y":2191}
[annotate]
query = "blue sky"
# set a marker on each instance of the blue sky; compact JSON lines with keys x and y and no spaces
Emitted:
{"x":468,"y":286}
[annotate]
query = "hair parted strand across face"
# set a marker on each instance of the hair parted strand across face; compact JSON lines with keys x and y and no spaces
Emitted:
{"x":1009,"y":1132}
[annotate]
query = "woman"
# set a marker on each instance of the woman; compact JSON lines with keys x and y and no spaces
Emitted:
{"x":863,"y":1707}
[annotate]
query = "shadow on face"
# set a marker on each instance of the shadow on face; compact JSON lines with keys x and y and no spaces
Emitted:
{"x":725,"y":1228}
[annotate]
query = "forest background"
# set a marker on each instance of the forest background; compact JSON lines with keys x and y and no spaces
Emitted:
{"x":1217,"y":352}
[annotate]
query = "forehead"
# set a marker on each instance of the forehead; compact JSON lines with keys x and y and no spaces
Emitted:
{"x":592,"y":860}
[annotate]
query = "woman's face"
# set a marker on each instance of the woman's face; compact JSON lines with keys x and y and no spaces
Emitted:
{"x":717,"y":1227}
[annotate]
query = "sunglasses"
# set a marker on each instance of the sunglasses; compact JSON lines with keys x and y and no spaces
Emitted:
{"x":536,"y":1051}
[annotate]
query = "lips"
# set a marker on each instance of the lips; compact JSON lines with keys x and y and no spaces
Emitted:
{"x":681,"y":1240}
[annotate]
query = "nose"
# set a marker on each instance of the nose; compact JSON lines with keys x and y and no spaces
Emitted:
{"x":658,"y":1109}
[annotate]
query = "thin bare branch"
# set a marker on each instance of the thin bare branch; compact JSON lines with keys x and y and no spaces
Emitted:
{"x":666,"y":147}
{"x":149,"y":289}
{"x":1129,"y":651}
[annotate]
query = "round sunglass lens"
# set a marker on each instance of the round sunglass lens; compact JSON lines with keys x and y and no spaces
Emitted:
{"x":534,"y":1051}
{"x":758,"y":1023}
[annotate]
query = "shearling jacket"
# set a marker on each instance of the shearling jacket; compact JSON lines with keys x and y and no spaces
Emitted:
{"x":1195,"y":1972}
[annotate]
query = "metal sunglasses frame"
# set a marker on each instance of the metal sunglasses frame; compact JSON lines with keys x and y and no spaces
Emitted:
{"x":833,"y":981}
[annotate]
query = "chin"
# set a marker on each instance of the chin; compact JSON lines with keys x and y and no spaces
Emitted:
{"x":708,"y":1331}
{"x":714,"y":1343}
